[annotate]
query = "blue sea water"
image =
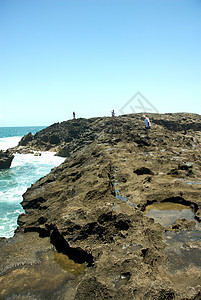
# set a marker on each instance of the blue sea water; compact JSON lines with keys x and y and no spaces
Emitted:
{"x":24,"y":171}
{"x":10,"y":136}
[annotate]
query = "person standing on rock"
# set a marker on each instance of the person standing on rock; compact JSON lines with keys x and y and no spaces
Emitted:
{"x":113,"y":113}
{"x":73,"y":115}
{"x":147,"y":124}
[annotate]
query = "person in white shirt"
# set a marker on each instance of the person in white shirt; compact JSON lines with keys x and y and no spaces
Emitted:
{"x":147,"y":124}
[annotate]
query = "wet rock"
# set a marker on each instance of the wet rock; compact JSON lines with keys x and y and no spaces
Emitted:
{"x":6,"y":159}
{"x":37,"y":154}
{"x":182,"y":224}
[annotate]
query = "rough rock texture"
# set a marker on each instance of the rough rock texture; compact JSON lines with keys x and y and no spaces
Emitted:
{"x":182,"y":224}
{"x":26,"y":139}
{"x":6,"y":159}
{"x":70,"y":136}
{"x":84,"y":234}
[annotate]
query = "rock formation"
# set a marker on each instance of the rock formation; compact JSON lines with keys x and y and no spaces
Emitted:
{"x":26,"y":139}
{"x":6,"y":159}
{"x":85,"y":235}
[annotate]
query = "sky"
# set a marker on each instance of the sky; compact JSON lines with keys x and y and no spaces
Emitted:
{"x":93,"y":56}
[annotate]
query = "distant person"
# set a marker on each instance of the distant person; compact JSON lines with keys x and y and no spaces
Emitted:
{"x":147,"y":125}
{"x":73,"y":115}
{"x":113,"y":113}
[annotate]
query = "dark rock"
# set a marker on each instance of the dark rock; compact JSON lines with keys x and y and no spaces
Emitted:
{"x":173,"y":172}
{"x":37,"y":154}
{"x":179,"y":121}
{"x":182,"y":169}
{"x":64,"y":152}
{"x":26,"y":139}
{"x":6,"y":159}
{"x":54,"y":139}
{"x":143,"y":171}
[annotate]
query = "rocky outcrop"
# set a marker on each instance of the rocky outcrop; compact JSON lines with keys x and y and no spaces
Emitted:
{"x":69,"y":136}
{"x":178,"y":122}
{"x":26,"y":139}
{"x":84,"y":233}
{"x":6,"y":159}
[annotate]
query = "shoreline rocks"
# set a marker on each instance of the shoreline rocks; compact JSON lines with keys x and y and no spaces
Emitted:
{"x":6,"y":159}
{"x":70,"y":136}
{"x":86,"y":215}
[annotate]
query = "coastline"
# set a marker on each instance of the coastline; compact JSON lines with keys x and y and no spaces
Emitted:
{"x":24,"y":171}
{"x":74,"y":212}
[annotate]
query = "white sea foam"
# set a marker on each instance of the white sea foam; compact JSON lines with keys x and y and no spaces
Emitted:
{"x":45,"y":158}
{"x":25,"y":170}
{"x":9,"y":142}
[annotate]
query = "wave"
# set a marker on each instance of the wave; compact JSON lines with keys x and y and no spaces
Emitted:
{"x":25,"y":170}
{"x":9,"y":142}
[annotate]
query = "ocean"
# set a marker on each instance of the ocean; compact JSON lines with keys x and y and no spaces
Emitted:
{"x":24,"y":171}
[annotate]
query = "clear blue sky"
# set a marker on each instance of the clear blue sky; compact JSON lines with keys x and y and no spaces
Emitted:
{"x":92,"y":56}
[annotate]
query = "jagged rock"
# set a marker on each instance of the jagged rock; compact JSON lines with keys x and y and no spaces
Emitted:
{"x":26,"y":139}
{"x":6,"y":159}
{"x":130,"y":128}
{"x":84,"y":228}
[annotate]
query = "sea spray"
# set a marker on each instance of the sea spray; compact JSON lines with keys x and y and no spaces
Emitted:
{"x":25,"y":170}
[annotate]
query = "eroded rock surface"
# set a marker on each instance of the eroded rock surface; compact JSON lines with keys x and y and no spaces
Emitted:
{"x":85,"y":219}
{"x":182,"y":224}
